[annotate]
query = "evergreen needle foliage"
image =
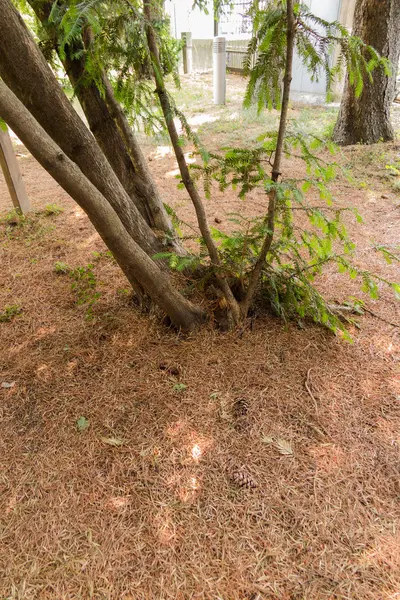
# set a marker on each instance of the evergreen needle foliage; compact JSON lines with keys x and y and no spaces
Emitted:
{"x":287,"y":248}
{"x":305,"y":237}
{"x":316,"y":41}
{"x":110,"y":36}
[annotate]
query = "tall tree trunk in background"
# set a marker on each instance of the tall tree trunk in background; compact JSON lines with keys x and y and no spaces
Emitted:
{"x":26,"y":72}
{"x":134,"y":262}
{"x":111,"y":130}
{"x":366,"y":119}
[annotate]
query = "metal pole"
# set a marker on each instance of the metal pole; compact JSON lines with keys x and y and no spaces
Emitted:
{"x":219,"y":70}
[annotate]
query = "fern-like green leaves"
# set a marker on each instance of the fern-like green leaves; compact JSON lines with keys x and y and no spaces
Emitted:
{"x":317,"y":41}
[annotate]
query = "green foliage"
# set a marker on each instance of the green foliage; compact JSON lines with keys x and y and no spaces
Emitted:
{"x":107,"y":254}
{"x":9,"y":313}
{"x":14,"y":218}
{"x":179,"y":387}
{"x":307,"y":234}
{"x":391,"y":254}
{"x":52,"y":209}
{"x":110,"y":36}
{"x":16,"y":224}
{"x":315,"y":41}
{"x":179,"y":263}
{"x":82,"y":423}
{"x":84,"y":284}
{"x":61,"y":268}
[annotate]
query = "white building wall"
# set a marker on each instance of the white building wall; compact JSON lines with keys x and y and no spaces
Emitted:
{"x":185,"y":18}
{"x":301,"y":82}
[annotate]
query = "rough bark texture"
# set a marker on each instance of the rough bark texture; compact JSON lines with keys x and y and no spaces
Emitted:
{"x":134,"y":262}
{"x":366,"y":119}
{"x":148,"y":7}
{"x":27,"y":74}
{"x":106,"y":120}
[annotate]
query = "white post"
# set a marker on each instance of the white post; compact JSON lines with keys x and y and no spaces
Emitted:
{"x":187,"y":51}
{"x":219,"y":69}
{"x":12,"y":174}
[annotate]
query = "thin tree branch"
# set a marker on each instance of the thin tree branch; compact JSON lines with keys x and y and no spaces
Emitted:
{"x":270,"y":220}
{"x":183,"y":168}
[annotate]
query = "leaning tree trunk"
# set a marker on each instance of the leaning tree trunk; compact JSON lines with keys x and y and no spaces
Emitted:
{"x":26,"y":72}
{"x":366,"y":119}
{"x":111,"y":130}
{"x":134,"y":262}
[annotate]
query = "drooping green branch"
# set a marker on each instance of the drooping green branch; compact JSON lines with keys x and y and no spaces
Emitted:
{"x":276,"y":168}
{"x":316,"y":43}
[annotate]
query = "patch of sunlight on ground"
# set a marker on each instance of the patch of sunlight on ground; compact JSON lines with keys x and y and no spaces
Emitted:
{"x":165,"y":527}
{"x":190,"y":159}
{"x":188,"y":492}
{"x":117,"y":502}
{"x":161,"y":152}
{"x":201,"y":119}
{"x":196,"y":452}
{"x":176,"y":428}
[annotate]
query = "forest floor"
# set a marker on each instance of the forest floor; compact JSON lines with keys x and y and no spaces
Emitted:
{"x":119,"y":438}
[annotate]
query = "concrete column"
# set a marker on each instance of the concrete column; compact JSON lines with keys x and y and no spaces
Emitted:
{"x":219,"y":70}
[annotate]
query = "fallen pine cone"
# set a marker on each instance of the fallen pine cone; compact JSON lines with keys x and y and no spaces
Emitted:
{"x":163,"y":366}
{"x":240,"y":407}
{"x":243,"y":480}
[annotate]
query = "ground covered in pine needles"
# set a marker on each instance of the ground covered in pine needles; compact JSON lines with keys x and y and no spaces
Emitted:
{"x":138,"y":464}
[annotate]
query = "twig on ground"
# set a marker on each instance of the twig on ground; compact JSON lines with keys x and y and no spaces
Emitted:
{"x":374,"y":314}
{"x":339,"y":308}
{"x":307,"y":381}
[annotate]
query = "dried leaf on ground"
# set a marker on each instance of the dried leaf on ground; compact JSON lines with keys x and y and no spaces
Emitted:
{"x":283,"y":446}
{"x":112,"y":441}
{"x":82,"y":423}
{"x":5,"y":385}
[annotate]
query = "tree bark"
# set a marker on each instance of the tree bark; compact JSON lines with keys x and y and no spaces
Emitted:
{"x":366,"y":119}
{"x":111,"y":129}
{"x":26,"y":72}
{"x":134,"y":262}
{"x":276,"y":167}
{"x":147,"y":187}
{"x":188,"y":182}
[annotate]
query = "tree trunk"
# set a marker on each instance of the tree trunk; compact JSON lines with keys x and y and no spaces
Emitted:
{"x":134,"y":262}
{"x":366,"y":119}
{"x":276,"y":167}
{"x":112,"y":132}
{"x":187,"y":179}
{"x":26,"y":72}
